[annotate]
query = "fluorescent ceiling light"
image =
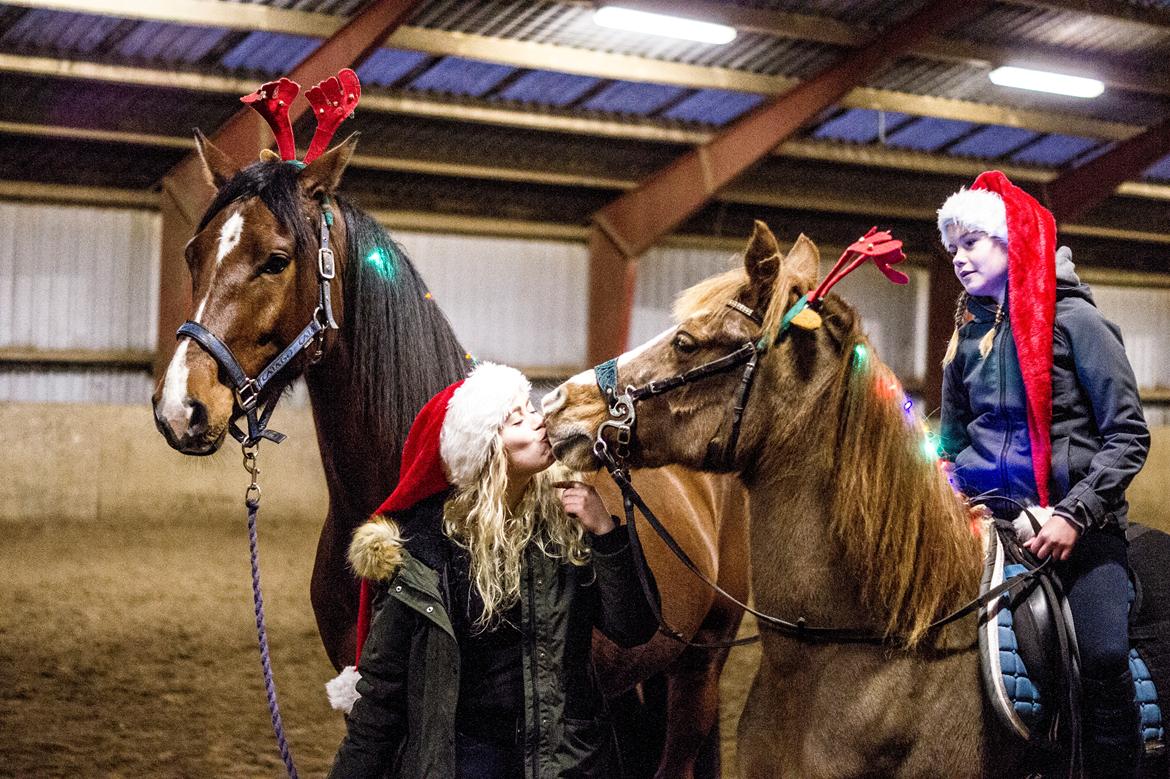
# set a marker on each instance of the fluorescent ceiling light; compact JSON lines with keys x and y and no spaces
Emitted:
{"x":661,"y":24}
{"x":1042,"y":81}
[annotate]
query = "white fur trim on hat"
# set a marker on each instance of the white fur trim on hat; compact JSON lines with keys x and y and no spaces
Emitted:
{"x":342,"y":689}
{"x":474,"y":414}
{"x":974,"y":209}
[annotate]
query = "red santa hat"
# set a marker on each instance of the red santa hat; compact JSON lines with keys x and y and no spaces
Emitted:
{"x":448,"y":445}
{"x":998,"y":207}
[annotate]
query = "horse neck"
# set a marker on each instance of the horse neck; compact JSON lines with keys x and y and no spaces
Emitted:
{"x":359,"y":472}
{"x":360,"y":451}
{"x":854,"y":521}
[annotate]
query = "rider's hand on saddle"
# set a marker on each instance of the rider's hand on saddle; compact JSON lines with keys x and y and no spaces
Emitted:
{"x":583,"y":504}
{"x":1056,"y":538}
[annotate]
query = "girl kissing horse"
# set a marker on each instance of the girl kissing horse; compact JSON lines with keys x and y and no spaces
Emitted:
{"x":853,"y":525}
{"x":254,"y":270}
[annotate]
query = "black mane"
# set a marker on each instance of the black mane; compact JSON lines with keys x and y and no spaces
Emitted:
{"x":402,"y":349}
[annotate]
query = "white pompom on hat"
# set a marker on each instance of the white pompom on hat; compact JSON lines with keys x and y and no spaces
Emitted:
{"x":974,"y":209}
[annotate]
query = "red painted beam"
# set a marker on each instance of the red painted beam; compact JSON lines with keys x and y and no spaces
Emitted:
{"x":632,"y":223}
{"x":1078,"y":190}
{"x":185,"y":192}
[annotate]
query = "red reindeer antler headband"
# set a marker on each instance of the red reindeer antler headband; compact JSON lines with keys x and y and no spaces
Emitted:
{"x":333,"y":101}
{"x":880,"y":246}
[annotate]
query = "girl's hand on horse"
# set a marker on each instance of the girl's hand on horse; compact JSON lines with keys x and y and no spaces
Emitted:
{"x":1056,"y":538}
{"x":583,"y":504}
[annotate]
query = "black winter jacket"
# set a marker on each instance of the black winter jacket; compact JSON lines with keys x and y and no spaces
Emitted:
{"x":404,"y":723}
{"x":1099,"y":434}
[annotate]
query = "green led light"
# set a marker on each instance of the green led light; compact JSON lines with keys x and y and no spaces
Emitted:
{"x":382,"y":262}
{"x":932,"y":447}
{"x":860,"y":355}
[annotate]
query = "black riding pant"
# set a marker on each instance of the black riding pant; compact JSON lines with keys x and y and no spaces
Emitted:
{"x":1096,"y":583}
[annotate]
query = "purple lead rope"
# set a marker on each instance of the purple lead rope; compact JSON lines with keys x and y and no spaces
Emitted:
{"x":253,"y":505}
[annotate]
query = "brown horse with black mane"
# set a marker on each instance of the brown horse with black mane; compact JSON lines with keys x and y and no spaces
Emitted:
{"x":253,"y":263}
{"x":853,"y":525}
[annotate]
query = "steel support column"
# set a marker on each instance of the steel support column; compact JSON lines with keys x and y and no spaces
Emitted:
{"x":1071,"y":194}
{"x":186,"y":194}
{"x":940,"y":321}
{"x":632,"y":223}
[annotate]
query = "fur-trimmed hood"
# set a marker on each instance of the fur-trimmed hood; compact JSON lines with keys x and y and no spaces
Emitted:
{"x":376,"y":551}
{"x":379,"y":546}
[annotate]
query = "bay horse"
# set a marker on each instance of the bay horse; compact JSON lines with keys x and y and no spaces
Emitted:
{"x":253,"y":264}
{"x":853,"y":525}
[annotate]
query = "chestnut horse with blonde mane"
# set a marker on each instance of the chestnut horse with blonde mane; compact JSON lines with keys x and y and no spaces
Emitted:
{"x":853,"y":525}
{"x":253,"y":263}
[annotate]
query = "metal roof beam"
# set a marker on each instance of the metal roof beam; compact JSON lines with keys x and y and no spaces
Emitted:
{"x":625,"y":228}
{"x":836,"y":153}
{"x":1078,"y":190}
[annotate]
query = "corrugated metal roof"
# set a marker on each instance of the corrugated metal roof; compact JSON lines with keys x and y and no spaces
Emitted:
{"x":1054,"y":150}
{"x":269,"y":53}
{"x":713,"y":106}
{"x":458,"y":76}
{"x":387,"y":66}
{"x":572,"y":25}
{"x":867,"y":13}
{"x":1008,"y":24}
{"x":54,"y":31}
{"x":170,"y":43}
{"x":1159,"y":171}
{"x":544,"y":87}
{"x":928,"y":133}
{"x":858,"y":125}
{"x":970,"y":82}
{"x":992,"y":141}
{"x":629,"y":97}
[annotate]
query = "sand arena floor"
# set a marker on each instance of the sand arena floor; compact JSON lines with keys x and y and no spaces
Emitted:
{"x":129,"y":650}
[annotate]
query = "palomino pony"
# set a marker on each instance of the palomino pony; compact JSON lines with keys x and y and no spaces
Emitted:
{"x":253,"y":263}
{"x":853,"y":526}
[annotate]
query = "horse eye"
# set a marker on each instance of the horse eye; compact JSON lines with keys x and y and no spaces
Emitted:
{"x":276,"y":264}
{"x":685,"y":343}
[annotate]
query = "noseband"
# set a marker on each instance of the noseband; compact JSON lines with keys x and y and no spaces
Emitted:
{"x":248,"y":390}
{"x":720,"y":456}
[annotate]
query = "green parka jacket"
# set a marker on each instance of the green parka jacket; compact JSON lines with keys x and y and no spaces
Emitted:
{"x":404,"y":723}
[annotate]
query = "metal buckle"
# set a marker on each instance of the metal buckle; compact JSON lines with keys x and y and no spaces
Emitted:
{"x":247,"y":396}
{"x":325,"y":263}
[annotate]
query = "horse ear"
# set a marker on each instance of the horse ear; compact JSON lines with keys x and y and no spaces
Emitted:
{"x":761,"y":258}
{"x":218,"y":167}
{"x":322,"y":175}
{"x":803,"y":263}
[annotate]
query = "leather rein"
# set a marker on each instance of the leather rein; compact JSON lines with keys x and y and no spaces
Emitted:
{"x":622,"y":423}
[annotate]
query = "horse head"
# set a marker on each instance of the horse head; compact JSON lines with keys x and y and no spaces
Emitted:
{"x":694,"y":423}
{"x":255,"y":282}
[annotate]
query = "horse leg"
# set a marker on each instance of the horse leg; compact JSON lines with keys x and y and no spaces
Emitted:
{"x":333,"y":591}
{"x":693,"y":697}
{"x":693,"y":703}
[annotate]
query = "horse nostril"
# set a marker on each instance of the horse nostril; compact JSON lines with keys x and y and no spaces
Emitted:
{"x":552,"y":402}
{"x":197,"y":425}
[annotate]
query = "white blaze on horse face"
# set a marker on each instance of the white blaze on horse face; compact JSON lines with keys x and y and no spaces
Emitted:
{"x":638,"y":350}
{"x":174,"y":393}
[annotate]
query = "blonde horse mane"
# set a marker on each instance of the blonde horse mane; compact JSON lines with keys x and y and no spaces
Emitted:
{"x":905,"y":534}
